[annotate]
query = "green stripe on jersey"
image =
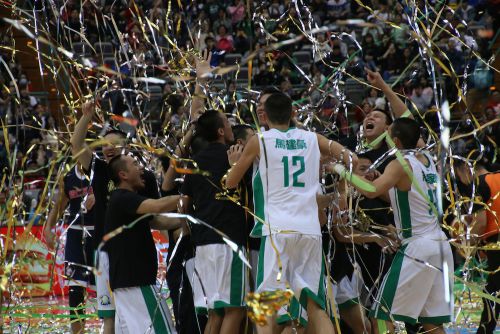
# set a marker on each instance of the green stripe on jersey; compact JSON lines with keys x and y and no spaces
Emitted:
{"x":260,"y":263}
{"x":258,"y":199}
{"x":404,"y":212}
{"x":237,"y":282}
{"x":391,"y":284}
{"x":154,"y":310}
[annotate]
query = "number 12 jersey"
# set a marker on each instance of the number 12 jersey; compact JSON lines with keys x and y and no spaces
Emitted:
{"x":285,"y":183}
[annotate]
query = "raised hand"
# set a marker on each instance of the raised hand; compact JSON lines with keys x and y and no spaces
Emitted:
{"x":375,"y":79}
{"x":234,"y":153}
{"x":88,"y":109}
{"x":50,"y":237}
{"x":203,"y":69}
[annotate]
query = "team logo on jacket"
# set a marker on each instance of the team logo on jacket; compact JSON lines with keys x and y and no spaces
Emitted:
{"x":104,"y":300}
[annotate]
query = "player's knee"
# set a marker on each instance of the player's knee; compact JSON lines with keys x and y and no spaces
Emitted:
{"x":76,"y":300}
{"x":234,"y":312}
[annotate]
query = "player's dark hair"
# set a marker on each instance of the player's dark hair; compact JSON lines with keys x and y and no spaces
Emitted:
{"x":198,"y":143}
{"x":240,"y":131}
{"x":114,"y":131}
{"x":388,"y":117}
{"x":278,"y":108}
{"x":269,"y":90}
{"x":209,"y":124}
{"x":115,"y":166}
{"x":364,"y":156}
{"x":407,"y":130}
{"x":475,"y":158}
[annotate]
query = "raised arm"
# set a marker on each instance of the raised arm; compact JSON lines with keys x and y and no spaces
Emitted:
{"x":57,"y":210}
{"x":241,"y":160}
{"x":394,"y":174}
{"x":164,"y":204}
{"x":203,"y":72}
{"x":165,"y":223}
{"x":398,"y":106}
{"x":181,"y":150}
{"x":333,"y":149}
{"x":79,"y":150}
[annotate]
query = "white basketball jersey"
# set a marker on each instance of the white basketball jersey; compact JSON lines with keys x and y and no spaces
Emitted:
{"x":413,"y":214}
{"x":285,"y":183}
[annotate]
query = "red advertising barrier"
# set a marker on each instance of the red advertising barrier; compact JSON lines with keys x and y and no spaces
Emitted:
{"x":35,"y":273}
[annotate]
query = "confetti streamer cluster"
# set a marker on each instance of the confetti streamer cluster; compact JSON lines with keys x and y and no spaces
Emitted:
{"x":138,"y":61}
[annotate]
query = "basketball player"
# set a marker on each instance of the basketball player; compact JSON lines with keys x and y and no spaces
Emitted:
{"x":414,"y":289}
{"x":285,"y":187}
{"x":78,"y":252}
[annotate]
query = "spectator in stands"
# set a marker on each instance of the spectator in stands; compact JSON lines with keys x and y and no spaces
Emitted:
{"x":318,"y":11}
{"x":356,"y":64}
{"x":465,"y":11}
{"x":203,"y":33}
{"x":222,"y":20}
{"x":338,"y":9}
{"x":391,"y":61}
{"x":276,"y":9}
{"x":336,"y":57}
{"x":371,"y":97}
{"x":422,"y":102}
{"x":217,"y":55}
{"x":241,"y":42}
{"x":370,"y":62}
{"x":212,"y":9}
{"x":370,"y":46}
{"x":456,"y":57}
{"x":399,"y":35}
{"x":236,"y":11}
{"x":322,"y":51}
{"x":225,"y":41}
{"x":374,"y":30}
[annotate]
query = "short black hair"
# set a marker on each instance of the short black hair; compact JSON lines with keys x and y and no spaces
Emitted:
{"x":364,"y":156}
{"x":388,"y":116}
{"x":475,"y":158}
{"x":115,"y":166}
{"x":240,"y":131}
{"x":407,"y":130}
{"x":115,"y":131}
{"x":208,"y":125}
{"x":278,"y":108}
{"x":269,"y":90}
{"x":198,"y":144}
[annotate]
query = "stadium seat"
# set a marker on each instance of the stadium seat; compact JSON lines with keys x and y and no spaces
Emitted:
{"x":302,"y":57}
{"x":232,"y":58}
{"x":104,"y":48}
{"x":81,"y":49}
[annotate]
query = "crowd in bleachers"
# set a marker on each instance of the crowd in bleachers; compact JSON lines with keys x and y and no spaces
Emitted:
{"x":144,"y":40}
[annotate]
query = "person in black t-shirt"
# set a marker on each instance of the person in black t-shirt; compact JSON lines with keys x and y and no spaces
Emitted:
{"x":220,"y":281}
{"x":78,"y":253}
{"x":114,"y":144}
{"x":242,"y":133}
{"x":181,"y":252}
{"x":376,"y":123}
{"x":485,"y":230}
{"x":133,"y":262}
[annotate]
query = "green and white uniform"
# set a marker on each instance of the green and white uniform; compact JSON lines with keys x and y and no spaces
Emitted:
{"x":419,"y":282}
{"x":285,"y":184}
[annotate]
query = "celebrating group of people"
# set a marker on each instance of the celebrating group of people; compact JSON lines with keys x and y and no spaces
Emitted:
{"x":268,"y":208}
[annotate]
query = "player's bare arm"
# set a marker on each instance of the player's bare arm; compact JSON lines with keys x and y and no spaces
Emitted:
{"x":241,"y":164}
{"x":54,"y":214}
{"x":79,"y":150}
{"x":164,"y":204}
{"x":166,"y":223}
{"x":393,"y":176}
{"x":333,"y":149}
